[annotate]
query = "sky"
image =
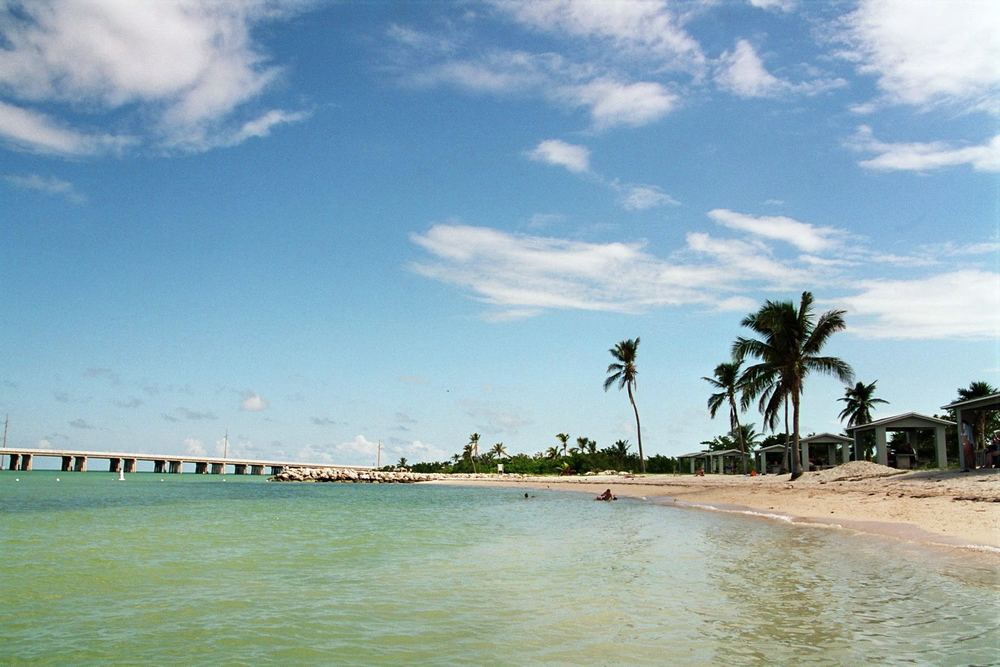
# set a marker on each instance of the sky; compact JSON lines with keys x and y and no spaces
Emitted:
{"x":318,"y":227}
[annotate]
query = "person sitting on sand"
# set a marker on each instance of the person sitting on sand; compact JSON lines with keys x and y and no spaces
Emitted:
{"x":993,"y":452}
{"x":606,"y":496}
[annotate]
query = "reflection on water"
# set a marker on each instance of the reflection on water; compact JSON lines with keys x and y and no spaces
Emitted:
{"x":196,"y":570}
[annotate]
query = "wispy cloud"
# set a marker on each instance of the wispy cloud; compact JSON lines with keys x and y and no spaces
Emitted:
{"x":802,"y":235}
{"x":520,"y":276}
{"x":82,"y":424}
{"x":925,"y":308}
{"x":742,"y":72}
{"x":47,"y":185}
{"x":926,"y":156}
{"x":34,"y":131}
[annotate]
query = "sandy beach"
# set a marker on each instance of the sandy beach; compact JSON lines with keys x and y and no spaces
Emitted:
{"x":930,"y":507}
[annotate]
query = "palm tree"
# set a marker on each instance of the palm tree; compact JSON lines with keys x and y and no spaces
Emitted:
{"x":402,"y":462}
{"x":563,"y":438}
{"x":474,"y":450}
{"x":788,"y":350}
{"x":498,"y":450}
{"x":552,"y":453}
{"x":620,"y":449}
{"x":623,"y":371}
{"x":581,"y":444}
{"x":727,"y":379}
{"x":977,"y":389}
{"x":860,"y":400}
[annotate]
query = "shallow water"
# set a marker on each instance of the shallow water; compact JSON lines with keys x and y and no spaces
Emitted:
{"x":195,"y":569}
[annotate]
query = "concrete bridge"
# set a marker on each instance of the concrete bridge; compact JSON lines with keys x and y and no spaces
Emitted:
{"x":72,"y":460}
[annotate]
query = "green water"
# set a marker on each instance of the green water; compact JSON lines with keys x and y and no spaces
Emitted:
{"x":196,"y":570}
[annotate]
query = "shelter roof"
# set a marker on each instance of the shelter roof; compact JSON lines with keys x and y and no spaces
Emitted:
{"x":694,"y":454}
{"x":825,"y":437}
{"x":724,"y":452}
{"x":772,"y":448}
{"x":991,"y":402}
{"x":905,"y":420}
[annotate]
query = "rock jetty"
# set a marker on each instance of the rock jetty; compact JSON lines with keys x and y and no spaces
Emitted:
{"x":349,"y":475}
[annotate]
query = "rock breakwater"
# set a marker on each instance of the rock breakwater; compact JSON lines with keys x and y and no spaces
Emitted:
{"x":349,"y":475}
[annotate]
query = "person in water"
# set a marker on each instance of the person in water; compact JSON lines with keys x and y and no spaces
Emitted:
{"x":606,"y":496}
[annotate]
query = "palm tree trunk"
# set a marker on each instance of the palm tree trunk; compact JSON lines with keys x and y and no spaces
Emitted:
{"x":638,"y":431}
{"x":734,"y":422}
{"x":784,"y":463}
{"x":796,"y":467}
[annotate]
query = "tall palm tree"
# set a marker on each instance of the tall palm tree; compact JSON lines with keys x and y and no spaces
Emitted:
{"x":552,"y":453}
{"x":727,"y":379}
{"x":581,"y":444}
{"x":474,"y":450}
{"x":498,"y":450}
{"x":788,"y":350}
{"x":977,"y":389}
{"x":563,"y":439}
{"x":623,"y":371}
{"x":860,"y":400}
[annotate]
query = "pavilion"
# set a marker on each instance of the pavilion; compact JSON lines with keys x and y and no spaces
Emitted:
{"x":824,"y":448}
{"x":717,"y":462}
{"x":908,"y":423}
{"x":968,"y":411}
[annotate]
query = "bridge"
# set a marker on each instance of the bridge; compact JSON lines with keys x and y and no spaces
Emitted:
{"x":72,"y":460}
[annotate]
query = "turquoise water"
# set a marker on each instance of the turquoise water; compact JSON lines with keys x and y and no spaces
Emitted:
{"x":196,"y":570}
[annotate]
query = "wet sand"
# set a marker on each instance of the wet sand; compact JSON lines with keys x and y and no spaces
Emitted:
{"x":930,"y":507}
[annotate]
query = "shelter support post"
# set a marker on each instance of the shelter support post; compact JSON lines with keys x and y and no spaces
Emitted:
{"x":881,"y":451}
{"x":939,"y":446}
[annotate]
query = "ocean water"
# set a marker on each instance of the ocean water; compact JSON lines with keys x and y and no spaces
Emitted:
{"x":197,"y":570}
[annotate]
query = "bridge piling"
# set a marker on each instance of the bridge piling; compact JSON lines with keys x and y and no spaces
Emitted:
{"x":201,"y":467}
{"x":218,"y":468}
{"x":159,"y":466}
{"x":26,"y":462}
{"x":256,"y":470}
{"x":130,"y":465}
{"x":67,"y":463}
{"x":114,"y":465}
{"x":240,"y":469}
{"x":80,"y":464}
{"x":176,"y":467}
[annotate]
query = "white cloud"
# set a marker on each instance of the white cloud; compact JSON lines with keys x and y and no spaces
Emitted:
{"x":43,"y":444}
{"x":414,"y":452}
{"x":780,"y":5}
{"x":253,"y":402}
{"x":960,"y":304}
{"x":742,"y":72}
{"x":47,"y":185}
{"x":645,"y":29}
{"x":615,"y":103}
{"x":194,"y":447}
{"x":644,"y":197}
{"x":522,"y":276}
{"x":780,"y":228}
{"x":571,"y":156}
{"x":189,"y":66}
{"x":36,"y":132}
{"x":929,"y":52}
{"x":927,"y":156}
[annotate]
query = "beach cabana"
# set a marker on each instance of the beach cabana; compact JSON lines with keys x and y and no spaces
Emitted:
{"x":968,"y":411}
{"x":697,"y":460}
{"x":821,"y":449}
{"x":769,"y":459}
{"x":726,"y":461}
{"x":907,"y":423}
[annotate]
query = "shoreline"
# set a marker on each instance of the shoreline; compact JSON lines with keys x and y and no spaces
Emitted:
{"x":932,"y":508}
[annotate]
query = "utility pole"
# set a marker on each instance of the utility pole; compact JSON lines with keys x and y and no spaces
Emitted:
{"x":6,"y":419}
{"x":225,"y":452}
{"x":378,"y":455}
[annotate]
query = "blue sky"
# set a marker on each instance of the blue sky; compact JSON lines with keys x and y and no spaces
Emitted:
{"x":321,"y":226}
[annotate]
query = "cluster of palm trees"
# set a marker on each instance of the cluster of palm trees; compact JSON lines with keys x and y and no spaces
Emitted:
{"x":786,"y":348}
{"x":471,"y":453}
